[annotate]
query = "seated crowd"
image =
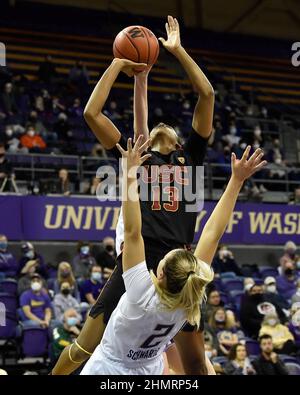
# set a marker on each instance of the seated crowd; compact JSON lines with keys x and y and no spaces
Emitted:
{"x":251,"y":320}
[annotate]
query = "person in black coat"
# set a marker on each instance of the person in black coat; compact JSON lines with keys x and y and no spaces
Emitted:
{"x":268,"y":363}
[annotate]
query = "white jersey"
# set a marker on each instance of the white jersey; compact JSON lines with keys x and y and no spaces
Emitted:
{"x":119,"y":233}
{"x":138,"y":330}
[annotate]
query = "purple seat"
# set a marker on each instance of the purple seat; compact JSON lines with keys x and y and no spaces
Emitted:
{"x":231,"y":284}
{"x":236,"y":296}
{"x":266,"y":271}
{"x":8,"y":331}
{"x":9,"y":286}
{"x":35,"y":342}
{"x":10,"y":301}
{"x":252,"y":347}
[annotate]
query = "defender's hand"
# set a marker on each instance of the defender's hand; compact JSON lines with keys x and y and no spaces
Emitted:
{"x":173,"y":32}
{"x":245,"y":168}
{"x":132,"y":158}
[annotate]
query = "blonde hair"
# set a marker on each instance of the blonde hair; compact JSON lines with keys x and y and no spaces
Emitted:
{"x":186,"y":280}
{"x":70,"y":279}
{"x":229,"y":322}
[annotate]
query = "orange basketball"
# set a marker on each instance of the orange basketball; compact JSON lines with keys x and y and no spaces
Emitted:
{"x":136,"y":43}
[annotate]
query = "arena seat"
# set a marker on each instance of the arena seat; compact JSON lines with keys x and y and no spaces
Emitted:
{"x":293,"y":368}
{"x":9,"y":286}
{"x":10,"y":301}
{"x":252,"y":346}
{"x":35,"y":342}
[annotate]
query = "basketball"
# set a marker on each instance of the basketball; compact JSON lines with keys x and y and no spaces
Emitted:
{"x":136,"y":43}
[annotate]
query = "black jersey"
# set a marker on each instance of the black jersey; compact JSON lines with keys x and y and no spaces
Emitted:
{"x":168,"y":210}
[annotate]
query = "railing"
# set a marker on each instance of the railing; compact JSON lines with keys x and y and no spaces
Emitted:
{"x":33,"y":167}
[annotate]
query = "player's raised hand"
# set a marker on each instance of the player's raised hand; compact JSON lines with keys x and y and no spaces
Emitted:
{"x":244,"y":168}
{"x":133,"y":157}
{"x":173,"y":33}
{"x":129,"y":67}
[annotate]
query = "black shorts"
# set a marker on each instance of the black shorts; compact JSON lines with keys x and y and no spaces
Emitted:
{"x":115,"y":288}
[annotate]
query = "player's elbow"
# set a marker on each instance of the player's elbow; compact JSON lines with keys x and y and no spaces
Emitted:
{"x":207,"y":92}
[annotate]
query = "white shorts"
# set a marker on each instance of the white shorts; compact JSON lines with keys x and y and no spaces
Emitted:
{"x":98,"y":364}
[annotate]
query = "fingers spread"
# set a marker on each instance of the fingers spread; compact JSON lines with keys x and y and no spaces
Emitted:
{"x":246,"y":153}
{"x":138,"y":143}
{"x":129,"y":145}
{"x":233,"y":158}
{"x":254,"y":156}
{"x":168,"y":28}
{"x":122,"y":151}
{"x":144,"y":146}
{"x":145,"y":157}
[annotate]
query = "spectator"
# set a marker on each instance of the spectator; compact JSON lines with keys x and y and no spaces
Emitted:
{"x":92,"y":189}
{"x":112,"y":111}
{"x":64,"y":301}
{"x":254,"y":306}
{"x":283,"y":340}
{"x":91,"y":288}
{"x":106,"y":258}
{"x":47,"y":70}
{"x":289,"y":255}
{"x":8,"y":263}
{"x":64,"y":334}
{"x":98,"y":151}
{"x":76,"y":111}
{"x":11,"y":140}
{"x":83,"y":261}
{"x":9,"y":100}
{"x":287,"y":281}
{"x":272,"y":293}
{"x":238,"y":362}
{"x":225,"y":262}
{"x":57,"y":106}
{"x":222,"y":327}
{"x":296,"y":296}
{"x":29,"y":270}
{"x":36,"y":304}
{"x":79,"y":76}
{"x":248,"y":283}
{"x":213,"y":301}
{"x":268,"y":363}
{"x":6,"y":170}
{"x":62,"y":127}
{"x":29,"y":254}
{"x":294,"y":324}
{"x":65,"y":274}
{"x":65,"y":186}
{"x":33,"y":141}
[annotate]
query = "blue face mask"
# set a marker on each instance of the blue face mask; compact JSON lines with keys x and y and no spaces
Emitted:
{"x":3,"y":245}
{"x":85,"y":250}
{"x":72,"y":321}
{"x":29,"y":254}
{"x":96,"y":276}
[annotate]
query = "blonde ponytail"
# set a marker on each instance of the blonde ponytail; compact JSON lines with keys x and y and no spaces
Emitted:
{"x":186,"y":280}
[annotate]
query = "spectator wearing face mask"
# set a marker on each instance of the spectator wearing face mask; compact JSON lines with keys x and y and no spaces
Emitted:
{"x":254,"y":306}
{"x":64,"y":334}
{"x":268,"y":363}
{"x":287,"y":281}
{"x":36,"y":304}
{"x":296,"y":296}
{"x":64,"y":301}
{"x":91,"y":288}
{"x":294,"y":324}
{"x":289,"y":256}
{"x":270,"y":288}
{"x":33,"y":141}
{"x":222,"y":327}
{"x":8,"y":263}
{"x":29,"y":254}
{"x":65,"y":274}
{"x":283,"y":340}
{"x":225,"y":262}
{"x":83,"y":261}
{"x":11,"y":141}
{"x":239,"y":363}
{"x":106,"y":258}
{"x":29,"y":270}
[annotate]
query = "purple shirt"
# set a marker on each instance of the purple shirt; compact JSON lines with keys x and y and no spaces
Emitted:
{"x":89,"y":287}
{"x":287,"y":288}
{"x":8,"y":264}
{"x":37,"y":302}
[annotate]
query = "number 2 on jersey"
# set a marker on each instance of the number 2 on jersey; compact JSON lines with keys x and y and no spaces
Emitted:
{"x":160,"y":333}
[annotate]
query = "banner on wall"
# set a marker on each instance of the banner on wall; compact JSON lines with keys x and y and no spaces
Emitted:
{"x":83,"y":218}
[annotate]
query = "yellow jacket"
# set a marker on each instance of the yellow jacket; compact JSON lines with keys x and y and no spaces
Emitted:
{"x":280,"y":334}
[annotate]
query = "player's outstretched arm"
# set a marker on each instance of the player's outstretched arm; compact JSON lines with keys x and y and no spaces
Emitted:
{"x":105,"y":131}
{"x":217,"y":222}
{"x":140,"y":120}
{"x":134,"y":251}
{"x":203,"y":114}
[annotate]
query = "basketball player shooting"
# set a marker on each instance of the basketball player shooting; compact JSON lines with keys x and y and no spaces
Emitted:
{"x":166,"y":223}
{"x":156,"y":305}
